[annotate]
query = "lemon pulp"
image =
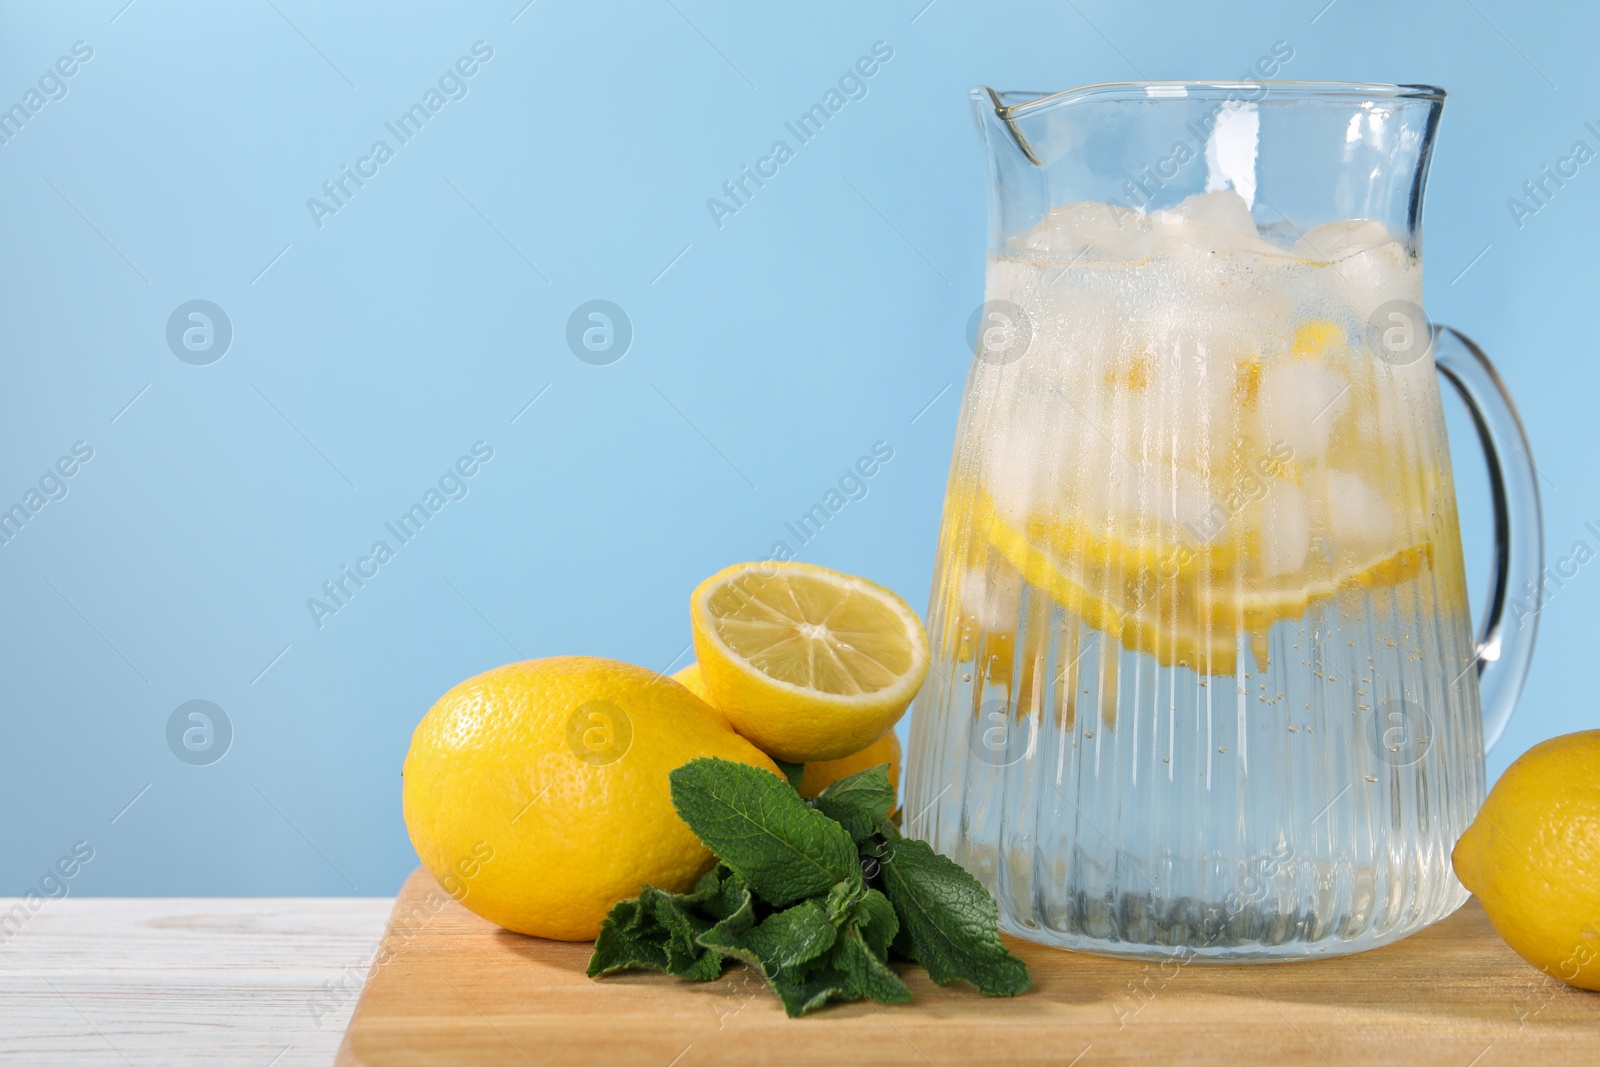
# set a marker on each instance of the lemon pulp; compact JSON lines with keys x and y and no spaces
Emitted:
{"x":807,"y":662}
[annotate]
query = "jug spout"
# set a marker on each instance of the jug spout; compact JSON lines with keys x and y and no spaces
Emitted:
{"x":999,"y":127}
{"x":1019,"y":194}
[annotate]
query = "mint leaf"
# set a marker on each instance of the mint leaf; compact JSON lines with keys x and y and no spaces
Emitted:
{"x":949,"y":920}
{"x":874,"y":916}
{"x":738,"y":916}
{"x":868,"y":974}
{"x":658,"y":930}
{"x":858,"y":803}
{"x":783,"y":942}
{"x":761,"y":829}
{"x":795,"y":772}
{"x":675,"y":916}
{"x":815,"y":987}
{"x":623,"y":945}
{"x":840,"y":899}
{"x":732,"y":897}
{"x":848,"y":971}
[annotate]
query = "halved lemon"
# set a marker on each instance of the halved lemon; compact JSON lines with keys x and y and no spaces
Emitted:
{"x":819,"y":774}
{"x":807,"y":663}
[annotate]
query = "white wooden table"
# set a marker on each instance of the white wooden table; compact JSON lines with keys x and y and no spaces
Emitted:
{"x":236,"y":981}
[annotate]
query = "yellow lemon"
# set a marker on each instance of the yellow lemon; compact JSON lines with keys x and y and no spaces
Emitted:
{"x":821,"y":774}
{"x":537,"y":792}
{"x":690,"y":679}
{"x":824,"y":773}
{"x":808,"y":663}
{"x":1532,"y":857}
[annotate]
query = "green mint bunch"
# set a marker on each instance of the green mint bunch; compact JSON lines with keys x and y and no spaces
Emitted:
{"x":817,"y":895}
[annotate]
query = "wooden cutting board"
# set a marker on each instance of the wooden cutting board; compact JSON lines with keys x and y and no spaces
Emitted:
{"x":450,"y":988}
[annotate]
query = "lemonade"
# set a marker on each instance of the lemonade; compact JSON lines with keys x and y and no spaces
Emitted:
{"x":1199,"y":579}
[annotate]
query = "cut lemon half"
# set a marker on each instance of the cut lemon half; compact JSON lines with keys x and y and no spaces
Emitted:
{"x":807,"y":663}
{"x":821,"y":773}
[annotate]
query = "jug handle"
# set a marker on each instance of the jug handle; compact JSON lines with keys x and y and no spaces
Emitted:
{"x":1505,"y":645}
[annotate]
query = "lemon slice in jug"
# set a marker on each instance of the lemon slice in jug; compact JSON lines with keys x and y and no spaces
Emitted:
{"x":1185,"y":609}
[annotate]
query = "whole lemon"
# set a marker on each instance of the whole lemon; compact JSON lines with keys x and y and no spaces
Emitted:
{"x":537,"y":792}
{"x":689,"y":677}
{"x":823,"y":773}
{"x":1532,"y":857}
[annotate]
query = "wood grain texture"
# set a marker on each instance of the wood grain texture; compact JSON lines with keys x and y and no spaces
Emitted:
{"x":183,"y":981}
{"x":451,"y":988}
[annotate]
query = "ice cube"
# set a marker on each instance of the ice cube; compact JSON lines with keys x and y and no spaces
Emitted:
{"x":1285,"y":529}
{"x":1300,"y":403}
{"x":1369,"y":266}
{"x":1373,"y":275}
{"x":1224,"y":208}
{"x":1333,"y":241}
{"x":1357,"y":511}
{"x":1040,"y":448}
{"x":992,"y":598}
{"x":1091,"y":230}
{"x":1208,"y":397}
{"x":1211,"y":223}
{"x":1015,"y":465}
{"x":1184,"y":506}
{"x":1104,"y":487}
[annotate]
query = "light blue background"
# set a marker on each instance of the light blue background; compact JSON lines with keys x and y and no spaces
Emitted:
{"x":822,"y":318}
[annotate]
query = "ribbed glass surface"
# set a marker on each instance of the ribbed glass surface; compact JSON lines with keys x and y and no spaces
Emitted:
{"x":1202,"y":674}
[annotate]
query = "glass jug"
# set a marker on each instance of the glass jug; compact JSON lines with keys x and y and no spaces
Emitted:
{"x":1204,"y":681}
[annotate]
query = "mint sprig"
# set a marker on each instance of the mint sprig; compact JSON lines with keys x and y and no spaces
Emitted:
{"x":816,"y":895}
{"x":795,"y":772}
{"x":759,"y":827}
{"x":950,"y":920}
{"x":859,"y":803}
